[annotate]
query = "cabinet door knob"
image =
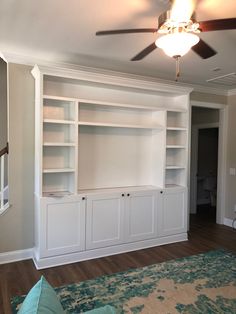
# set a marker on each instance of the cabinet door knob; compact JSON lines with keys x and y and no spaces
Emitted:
{"x":83,"y":198}
{"x":128,"y":194}
{"x":122,"y":194}
{"x":161,"y":192}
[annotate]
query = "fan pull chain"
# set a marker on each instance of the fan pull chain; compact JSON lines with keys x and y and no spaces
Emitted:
{"x":177,"y":68}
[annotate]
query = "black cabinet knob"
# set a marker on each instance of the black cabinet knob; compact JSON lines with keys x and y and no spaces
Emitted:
{"x":161,"y":192}
{"x":122,"y":194}
{"x":83,"y":198}
{"x":128,"y":194}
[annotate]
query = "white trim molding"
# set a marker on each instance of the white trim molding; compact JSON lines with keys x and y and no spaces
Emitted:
{"x":229,"y":222}
{"x":203,"y":104}
{"x":222,"y":168}
{"x":14,"y":256}
{"x":31,"y":61}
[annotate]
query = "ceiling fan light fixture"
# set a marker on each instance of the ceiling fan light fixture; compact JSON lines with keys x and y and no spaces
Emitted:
{"x":177,"y":44}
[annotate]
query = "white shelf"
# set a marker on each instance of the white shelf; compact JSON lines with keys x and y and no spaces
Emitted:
{"x":176,"y":129}
{"x":176,"y":110}
{"x":175,"y":167}
{"x":56,"y":170}
{"x":173,"y":186}
{"x":118,"y":125}
{"x":59,"y":98}
{"x":56,"y":194}
{"x":59,"y":144}
{"x":175,"y":146}
{"x":110,"y":104}
{"x":119,"y":189}
{"x":58,"y":121}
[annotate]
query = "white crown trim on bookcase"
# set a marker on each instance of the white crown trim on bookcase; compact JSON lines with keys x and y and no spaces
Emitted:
{"x":31,"y":61}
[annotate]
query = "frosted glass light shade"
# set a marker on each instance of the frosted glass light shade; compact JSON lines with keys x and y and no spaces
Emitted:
{"x":177,"y":44}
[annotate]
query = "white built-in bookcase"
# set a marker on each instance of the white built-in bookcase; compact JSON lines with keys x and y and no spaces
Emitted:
{"x":111,"y":162}
{"x":94,"y":135}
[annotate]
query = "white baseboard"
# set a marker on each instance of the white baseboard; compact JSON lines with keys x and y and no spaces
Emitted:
{"x":14,"y":256}
{"x":229,"y":222}
{"x":53,"y":261}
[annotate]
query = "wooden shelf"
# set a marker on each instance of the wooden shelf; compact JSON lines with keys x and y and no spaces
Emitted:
{"x":59,"y":144}
{"x":58,"y":170}
{"x":57,"y":121}
{"x":118,"y":125}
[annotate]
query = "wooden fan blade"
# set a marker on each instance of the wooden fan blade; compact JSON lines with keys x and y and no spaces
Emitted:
{"x":126,"y":31}
{"x":217,"y":25}
{"x":204,"y":50}
{"x":144,"y":52}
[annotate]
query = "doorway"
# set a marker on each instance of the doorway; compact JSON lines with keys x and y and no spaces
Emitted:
{"x":204,"y":164}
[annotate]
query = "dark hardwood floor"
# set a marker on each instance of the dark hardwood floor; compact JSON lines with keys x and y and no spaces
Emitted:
{"x":17,"y":278}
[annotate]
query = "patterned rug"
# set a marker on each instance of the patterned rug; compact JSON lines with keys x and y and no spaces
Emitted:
{"x":199,"y":284}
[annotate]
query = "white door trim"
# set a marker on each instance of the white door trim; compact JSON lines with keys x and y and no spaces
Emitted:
{"x":222,"y":142}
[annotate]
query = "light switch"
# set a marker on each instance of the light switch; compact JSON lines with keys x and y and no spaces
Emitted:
{"x":232,"y":171}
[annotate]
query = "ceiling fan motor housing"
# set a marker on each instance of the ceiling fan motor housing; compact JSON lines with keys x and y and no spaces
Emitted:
{"x":167,"y":26}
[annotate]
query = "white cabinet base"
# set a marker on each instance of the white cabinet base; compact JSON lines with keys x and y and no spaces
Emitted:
{"x":101,"y":252}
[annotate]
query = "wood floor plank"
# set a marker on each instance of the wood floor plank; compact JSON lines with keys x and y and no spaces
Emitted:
{"x":17,"y":278}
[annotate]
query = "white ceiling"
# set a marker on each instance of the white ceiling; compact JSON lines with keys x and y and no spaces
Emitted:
{"x":64,"y":31}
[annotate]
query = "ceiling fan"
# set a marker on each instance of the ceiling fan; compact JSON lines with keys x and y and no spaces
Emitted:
{"x":179,"y":29}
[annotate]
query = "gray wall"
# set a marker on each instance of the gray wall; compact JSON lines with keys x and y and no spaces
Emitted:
{"x":231,"y":159}
{"x":220,"y":99}
{"x":17,"y":224}
{"x":204,"y":115}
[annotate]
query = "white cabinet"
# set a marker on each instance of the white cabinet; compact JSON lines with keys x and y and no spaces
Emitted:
{"x":105,"y":220}
{"x":141,"y":215}
{"x":172,"y":213}
{"x":120,"y":218}
{"x":62,"y":224}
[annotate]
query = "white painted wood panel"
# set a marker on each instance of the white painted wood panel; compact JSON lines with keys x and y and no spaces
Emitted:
{"x":141,"y":215}
{"x":111,"y":157}
{"x":62,"y":227}
{"x":172,"y":212}
{"x":104,"y":220}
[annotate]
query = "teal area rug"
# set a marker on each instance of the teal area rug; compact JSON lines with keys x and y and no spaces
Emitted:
{"x":199,"y":284}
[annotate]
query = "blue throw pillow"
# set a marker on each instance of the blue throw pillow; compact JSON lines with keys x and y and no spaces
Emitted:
{"x":102,"y":310}
{"x":41,"y":299}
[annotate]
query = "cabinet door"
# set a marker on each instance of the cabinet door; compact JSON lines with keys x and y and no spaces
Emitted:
{"x":105,"y":220}
{"x":62,"y":227}
{"x":172,"y":212}
{"x":141,"y":215}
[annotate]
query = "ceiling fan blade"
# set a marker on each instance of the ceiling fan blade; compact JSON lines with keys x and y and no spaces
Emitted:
{"x":204,"y":50}
{"x":217,"y":25}
{"x":126,"y":31}
{"x":144,"y":52}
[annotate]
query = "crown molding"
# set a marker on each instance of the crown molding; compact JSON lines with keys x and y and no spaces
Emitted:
{"x":31,"y":61}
